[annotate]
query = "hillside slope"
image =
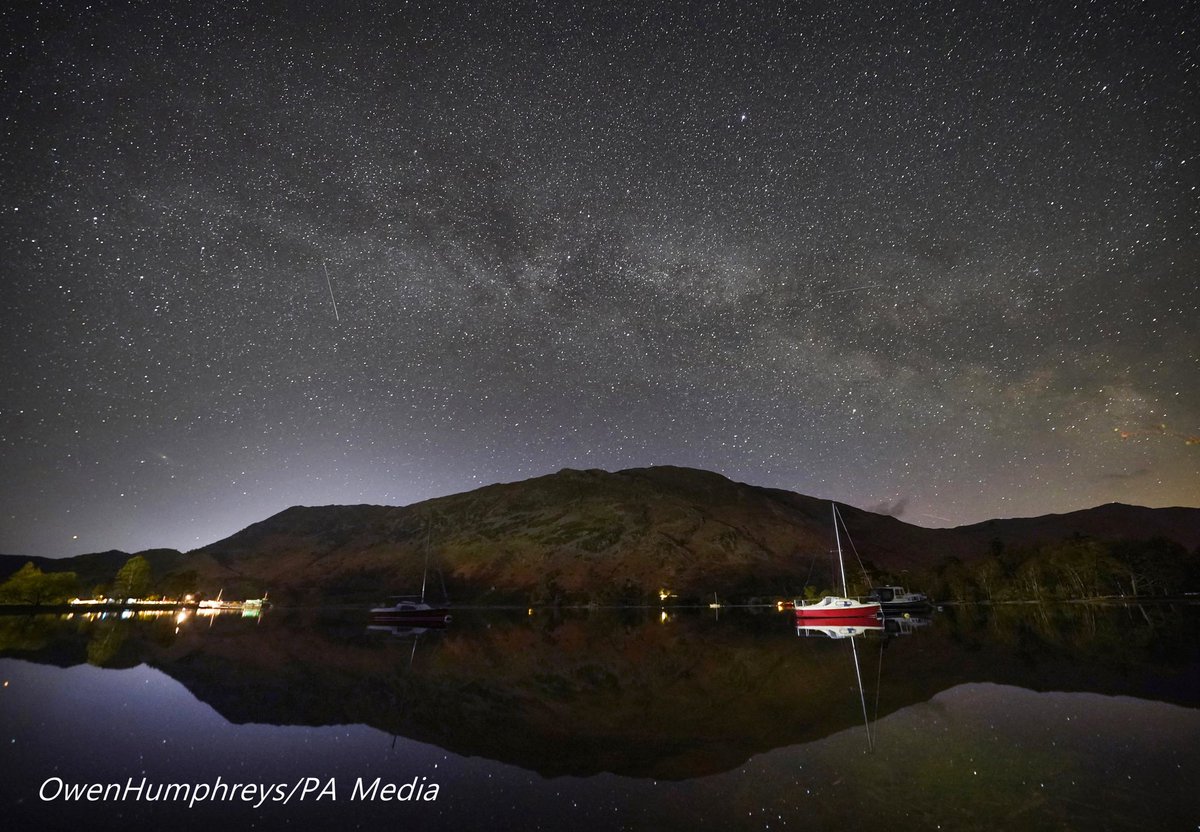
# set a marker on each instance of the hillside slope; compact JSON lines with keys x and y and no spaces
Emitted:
{"x":578,"y":536}
{"x":620,"y":537}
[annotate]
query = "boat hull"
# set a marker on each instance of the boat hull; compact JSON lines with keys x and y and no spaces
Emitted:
{"x":414,"y":618}
{"x":853,"y":611}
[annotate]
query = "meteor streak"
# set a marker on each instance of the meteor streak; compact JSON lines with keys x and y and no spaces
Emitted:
{"x":329,"y":283}
{"x":858,"y":288}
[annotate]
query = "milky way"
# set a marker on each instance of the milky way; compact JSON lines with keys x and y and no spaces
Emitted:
{"x":932,"y":259}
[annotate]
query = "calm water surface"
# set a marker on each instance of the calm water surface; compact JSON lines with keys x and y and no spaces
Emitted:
{"x":1068,"y":717}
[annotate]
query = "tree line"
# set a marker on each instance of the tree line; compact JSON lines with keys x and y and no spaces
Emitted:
{"x":1077,"y":568}
{"x":30,"y":586}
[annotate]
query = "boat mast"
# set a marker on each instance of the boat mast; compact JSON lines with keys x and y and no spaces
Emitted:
{"x":424,"y":575}
{"x":841,"y":563}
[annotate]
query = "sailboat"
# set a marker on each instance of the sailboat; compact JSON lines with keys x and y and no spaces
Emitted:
{"x":412,"y":610}
{"x":838,"y":608}
{"x":840,"y":629}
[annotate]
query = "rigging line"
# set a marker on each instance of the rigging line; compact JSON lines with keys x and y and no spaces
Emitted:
{"x":852,"y":547}
{"x":812,"y":564}
{"x":329,"y":283}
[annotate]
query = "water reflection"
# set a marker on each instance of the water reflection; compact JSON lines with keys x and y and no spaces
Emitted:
{"x":637,"y":693}
{"x":838,"y":631}
{"x":741,"y":714}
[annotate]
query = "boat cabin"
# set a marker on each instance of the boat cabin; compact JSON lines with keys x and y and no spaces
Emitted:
{"x":896,"y":595}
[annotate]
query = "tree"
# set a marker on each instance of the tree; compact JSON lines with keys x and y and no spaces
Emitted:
{"x":179,"y":584}
{"x":30,"y":585}
{"x":133,"y":579}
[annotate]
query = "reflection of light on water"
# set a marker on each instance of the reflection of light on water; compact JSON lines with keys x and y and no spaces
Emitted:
{"x":118,"y":614}
{"x":180,"y":615}
{"x":663,"y":618}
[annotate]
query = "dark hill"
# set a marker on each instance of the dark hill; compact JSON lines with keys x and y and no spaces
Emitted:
{"x":571,"y":536}
{"x":620,"y":537}
{"x":1113,"y":521}
{"x":97,"y":567}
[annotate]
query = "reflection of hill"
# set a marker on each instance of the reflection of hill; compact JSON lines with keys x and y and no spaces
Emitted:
{"x":574,"y":696}
{"x":600,"y":693}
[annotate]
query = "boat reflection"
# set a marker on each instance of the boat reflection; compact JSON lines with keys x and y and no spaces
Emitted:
{"x":851,"y":631}
{"x":850,"y":628}
{"x":413,"y":631}
{"x":888,"y":625}
{"x":906,"y":624}
{"x":402,"y":631}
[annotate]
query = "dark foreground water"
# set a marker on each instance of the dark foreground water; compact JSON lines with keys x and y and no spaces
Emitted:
{"x":1031,"y":717}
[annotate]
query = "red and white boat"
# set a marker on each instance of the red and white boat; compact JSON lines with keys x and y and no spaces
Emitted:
{"x":835,"y":608}
{"x":410,"y":610}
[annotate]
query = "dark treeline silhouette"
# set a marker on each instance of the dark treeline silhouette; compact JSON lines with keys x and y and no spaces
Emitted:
{"x":1078,"y":568}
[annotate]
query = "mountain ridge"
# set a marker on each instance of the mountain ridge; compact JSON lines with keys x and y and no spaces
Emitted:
{"x":599,"y":536}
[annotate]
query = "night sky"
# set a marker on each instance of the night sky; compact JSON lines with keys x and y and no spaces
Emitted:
{"x":934,"y":259}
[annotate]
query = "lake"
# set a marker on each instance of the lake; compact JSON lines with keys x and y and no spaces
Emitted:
{"x":1042,"y":717}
